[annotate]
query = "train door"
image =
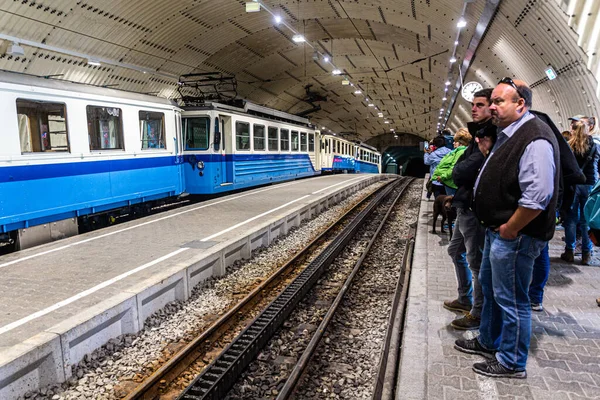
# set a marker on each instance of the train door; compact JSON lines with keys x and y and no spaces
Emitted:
{"x":226,"y":149}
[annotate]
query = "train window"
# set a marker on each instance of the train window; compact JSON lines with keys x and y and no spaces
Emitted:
{"x":217,"y":140}
{"x":295,"y":144}
{"x":273,"y":139}
{"x":42,"y":126}
{"x":311,"y":142}
{"x":242,"y":136}
{"x":196,"y":132}
{"x":284,"y":140}
{"x":259,"y":137}
{"x":152,"y":126}
{"x":105,"y":128}
{"x":303,"y":144}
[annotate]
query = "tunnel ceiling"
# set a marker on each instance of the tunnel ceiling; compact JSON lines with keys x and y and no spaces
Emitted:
{"x":395,"y":51}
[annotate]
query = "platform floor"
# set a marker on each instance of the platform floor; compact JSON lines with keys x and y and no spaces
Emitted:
{"x":564,"y":359}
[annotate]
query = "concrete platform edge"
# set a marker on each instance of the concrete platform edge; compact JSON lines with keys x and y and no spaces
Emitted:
{"x":48,"y":357}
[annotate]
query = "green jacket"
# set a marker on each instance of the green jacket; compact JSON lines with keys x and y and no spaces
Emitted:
{"x":445,"y":167}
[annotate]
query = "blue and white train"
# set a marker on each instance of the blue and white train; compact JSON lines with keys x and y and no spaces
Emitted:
{"x":341,"y":155}
{"x":70,"y":153}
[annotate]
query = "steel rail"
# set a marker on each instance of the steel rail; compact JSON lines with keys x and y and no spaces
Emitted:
{"x":288,"y":389}
{"x":385,"y":381}
{"x":216,"y":379}
{"x":151,"y":387}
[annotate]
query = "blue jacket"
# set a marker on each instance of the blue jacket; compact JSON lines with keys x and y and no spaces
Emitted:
{"x":433,"y":159}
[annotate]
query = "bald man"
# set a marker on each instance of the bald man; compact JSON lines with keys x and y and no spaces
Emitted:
{"x":515,"y":198}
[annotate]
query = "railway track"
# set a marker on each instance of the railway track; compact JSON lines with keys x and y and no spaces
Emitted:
{"x":166,"y":381}
{"x":216,"y":380}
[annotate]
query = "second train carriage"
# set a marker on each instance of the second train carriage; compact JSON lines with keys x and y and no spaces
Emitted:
{"x":228,"y":147}
{"x":368,"y":159}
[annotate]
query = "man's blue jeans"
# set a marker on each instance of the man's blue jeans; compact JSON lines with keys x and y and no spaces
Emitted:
{"x":465,"y":250}
{"x":575,"y":217}
{"x":505,"y":276}
{"x":541,"y":272}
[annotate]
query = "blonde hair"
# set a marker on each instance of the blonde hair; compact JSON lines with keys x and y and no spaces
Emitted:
{"x":463,"y":136}
{"x":579,"y":141}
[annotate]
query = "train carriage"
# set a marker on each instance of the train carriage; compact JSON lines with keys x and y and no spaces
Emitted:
{"x":368,"y":159}
{"x":337,"y":154}
{"x":228,"y":147}
{"x":68,"y":150}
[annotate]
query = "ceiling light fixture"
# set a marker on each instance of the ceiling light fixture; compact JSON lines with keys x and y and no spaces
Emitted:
{"x":447,"y":83}
{"x":326,"y":59}
{"x":336,"y":71}
{"x":298,"y":38}
{"x":278,"y":19}
{"x":452,"y":59}
{"x":15,"y":50}
{"x":444,"y":98}
{"x":461,"y":23}
{"x":357,"y":92}
{"x":94,"y":62}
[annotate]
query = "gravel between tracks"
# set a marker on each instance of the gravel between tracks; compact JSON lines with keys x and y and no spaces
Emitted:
{"x":115,"y":369}
{"x":348,"y":357}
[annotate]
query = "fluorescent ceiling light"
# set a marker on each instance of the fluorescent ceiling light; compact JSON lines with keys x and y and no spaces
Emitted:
{"x":94,"y":62}
{"x":336,"y":71}
{"x":461,"y":23}
{"x":252,"y":7}
{"x":357,"y":92}
{"x":371,"y":105}
{"x":278,"y":19}
{"x":298,"y":39}
{"x":386,"y":122}
{"x":452,"y":59}
{"x":444,"y":98}
{"x":326,"y":59}
{"x":447,"y":83}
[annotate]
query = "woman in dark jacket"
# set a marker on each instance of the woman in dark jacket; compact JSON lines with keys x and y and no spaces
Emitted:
{"x":587,"y":156}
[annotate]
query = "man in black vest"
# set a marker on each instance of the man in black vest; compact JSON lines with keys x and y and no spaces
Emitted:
{"x":466,"y":245}
{"x":515,"y":198}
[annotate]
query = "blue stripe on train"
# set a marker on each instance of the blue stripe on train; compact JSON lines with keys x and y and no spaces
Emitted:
{"x":70,"y":169}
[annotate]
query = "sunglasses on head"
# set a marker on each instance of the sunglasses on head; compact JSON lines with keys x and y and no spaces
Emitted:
{"x":509,"y":81}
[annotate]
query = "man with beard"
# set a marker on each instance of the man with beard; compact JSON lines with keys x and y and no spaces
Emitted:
{"x":515,"y":198}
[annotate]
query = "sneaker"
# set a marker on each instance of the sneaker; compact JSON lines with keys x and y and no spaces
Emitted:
{"x":537,"y":307}
{"x":455,"y":305}
{"x":472,"y":346}
{"x":496,"y":370}
{"x":466,"y":323}
{"x":598,"y":301}
{"x":567,"y":256}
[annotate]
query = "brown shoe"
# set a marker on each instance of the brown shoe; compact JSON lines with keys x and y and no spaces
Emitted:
{"x":598,"y":301}
{"x":567,"y":256}
{"x":585,"y":258}
{"x":466,"y":323}
{"x":456,"y":305}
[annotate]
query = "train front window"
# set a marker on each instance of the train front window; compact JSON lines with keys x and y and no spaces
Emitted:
{"x":273,"y":139}
{"x":311,"y":142}
{"x":303,"y":141}
{"x":196,"y":132}
{"x":285,"y":140}
{"x":152,"y":127}
{"x":105,"y":128}
{"x":295,"y":144}
{"x":42,"y":126}
{"x":259,"y":137}
{"x":242,"y":136}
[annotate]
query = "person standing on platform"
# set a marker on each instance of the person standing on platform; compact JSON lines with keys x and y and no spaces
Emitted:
{"x":466,"y":245}
{"x":515,"y":198}
{"x":432,"y":157}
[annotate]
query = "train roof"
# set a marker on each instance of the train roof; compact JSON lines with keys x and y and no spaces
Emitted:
{"x":246,"y":107}
{"x":58,"y":84}
{"x":367,"y":146}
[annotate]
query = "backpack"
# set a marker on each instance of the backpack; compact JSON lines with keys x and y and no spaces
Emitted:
{"x":591,"y":211}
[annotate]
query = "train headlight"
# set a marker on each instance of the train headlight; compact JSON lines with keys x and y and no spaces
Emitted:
{"x":200,"y":164}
